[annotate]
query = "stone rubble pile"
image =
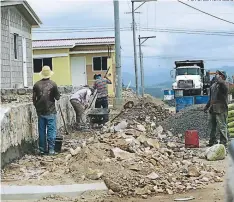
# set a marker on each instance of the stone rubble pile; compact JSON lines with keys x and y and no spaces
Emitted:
{"x":191,"y":118}
{"x":146,"y":113}
{"x":154,"y":165}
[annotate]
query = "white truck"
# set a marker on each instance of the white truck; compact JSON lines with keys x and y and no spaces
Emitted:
{"x":191,"y":77}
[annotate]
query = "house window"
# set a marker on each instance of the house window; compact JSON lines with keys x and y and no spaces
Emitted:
{"x":40,"y":62}
{"x":99,"y":63}
{"x":16,"y":36}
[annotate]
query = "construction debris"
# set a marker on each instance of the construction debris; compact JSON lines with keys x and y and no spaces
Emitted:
{"x":137,"y":157}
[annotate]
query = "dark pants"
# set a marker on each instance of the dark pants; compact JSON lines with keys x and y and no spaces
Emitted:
{"x":79,"y":109}
{"x":218,"y":126}
{"x":102,"y":103}
{"x":47,"y":132}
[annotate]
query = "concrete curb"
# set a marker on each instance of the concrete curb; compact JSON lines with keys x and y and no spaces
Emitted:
{"x":37,"y":192}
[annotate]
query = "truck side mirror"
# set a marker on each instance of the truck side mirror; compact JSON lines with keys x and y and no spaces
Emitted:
{"x":172,"y":73}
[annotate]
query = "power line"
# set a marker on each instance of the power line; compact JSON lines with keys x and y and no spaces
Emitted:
{"x":95,"y":28}
{"x":206,"y":13}
{"x":109,"y":29}
{"x":181,"y":57}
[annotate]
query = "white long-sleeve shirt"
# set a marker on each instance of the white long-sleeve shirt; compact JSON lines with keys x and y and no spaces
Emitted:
{"x":82,"y":95}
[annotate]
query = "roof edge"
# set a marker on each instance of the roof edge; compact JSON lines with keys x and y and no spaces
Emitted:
{"x":74,"y":39}
{"x":32,"y":12}
{"x":26,"y":6}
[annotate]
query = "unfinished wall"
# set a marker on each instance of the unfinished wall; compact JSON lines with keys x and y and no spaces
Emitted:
{"x":13,"y":22}
{"x":19,"y":131}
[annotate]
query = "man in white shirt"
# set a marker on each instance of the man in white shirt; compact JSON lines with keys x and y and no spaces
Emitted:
{"x":79,"y":101}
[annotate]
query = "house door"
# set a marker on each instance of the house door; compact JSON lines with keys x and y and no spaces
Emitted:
{"x":78,"y":71}
{"x":25,"y":74}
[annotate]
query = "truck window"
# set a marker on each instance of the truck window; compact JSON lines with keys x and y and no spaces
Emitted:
{"x":188,"y":71}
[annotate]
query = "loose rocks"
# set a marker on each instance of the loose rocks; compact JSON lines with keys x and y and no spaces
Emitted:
{"x":191,"y":118}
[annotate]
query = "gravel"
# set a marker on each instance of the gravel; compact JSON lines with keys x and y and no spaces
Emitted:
{"x":191,"y":118}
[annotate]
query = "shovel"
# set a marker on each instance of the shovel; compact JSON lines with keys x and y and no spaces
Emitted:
{"x":65,"y":127}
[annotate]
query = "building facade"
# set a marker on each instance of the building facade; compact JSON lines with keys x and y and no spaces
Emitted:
{"x":17,"y":21}
{"x":75,"y":61}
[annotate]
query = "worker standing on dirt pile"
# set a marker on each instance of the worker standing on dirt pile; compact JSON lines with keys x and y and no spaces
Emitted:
{"x":218,"y":109}
{"x":79,"y":101}
{"x":102,"y":92}
{"x":45,"y":92}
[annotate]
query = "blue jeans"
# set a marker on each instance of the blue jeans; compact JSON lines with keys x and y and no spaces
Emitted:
{"x":47,"y":132}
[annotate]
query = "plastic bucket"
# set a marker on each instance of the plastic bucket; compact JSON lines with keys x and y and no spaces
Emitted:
{"x":58,"y":144}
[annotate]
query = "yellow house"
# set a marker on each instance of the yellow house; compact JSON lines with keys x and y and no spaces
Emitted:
{"x":75,"y":61}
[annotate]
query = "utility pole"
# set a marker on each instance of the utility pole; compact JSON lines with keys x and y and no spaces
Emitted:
{"x":134,"y":47}
{"x":134,"y":39}
{"x":118,"y":80}
{"x":141,"y":61}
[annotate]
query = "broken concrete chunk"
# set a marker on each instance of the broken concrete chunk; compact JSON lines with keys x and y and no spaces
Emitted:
{"x":169,"y":133}
{"x":152,"y":143}
{"x":159,"y":130}
{"x":169,"y":191}
{"x":142,"y":139}
{"x":193,"y":171}
{"x":121,"y":126}
{"x":134,"y":167}
{"x":171,"y":145}
{"x":152,"y":176}
{"x":68,"y":157}
{"x":94,"y":174}
{"x":121,"y":154}
{"x":75,"y":152}
{"x":114,"y":186}
{"x":141,"y":128}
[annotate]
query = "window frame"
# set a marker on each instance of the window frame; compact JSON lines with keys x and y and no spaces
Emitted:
{"x":101,"y":63}
{"x":16,"y":46}
{"x":51,"y":67}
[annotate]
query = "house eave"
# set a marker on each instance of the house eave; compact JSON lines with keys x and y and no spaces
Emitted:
{"x":25,"y":9}
{"x":52,"y":47}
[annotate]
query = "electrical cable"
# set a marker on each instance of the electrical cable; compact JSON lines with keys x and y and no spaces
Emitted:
{"x":145,"y":30}
{"x":206,"y":13}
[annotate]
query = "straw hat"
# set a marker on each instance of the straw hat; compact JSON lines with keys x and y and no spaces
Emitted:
{"x":46,"y":72}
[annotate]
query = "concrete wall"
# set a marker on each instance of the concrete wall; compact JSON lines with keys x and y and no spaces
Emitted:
{"x":19,"y":130}
{"x":12,"y":22}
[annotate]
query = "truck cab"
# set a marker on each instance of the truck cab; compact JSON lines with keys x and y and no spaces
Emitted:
{"x":190,"y":77}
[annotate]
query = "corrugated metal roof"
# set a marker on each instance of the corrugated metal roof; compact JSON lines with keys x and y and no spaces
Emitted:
{"x":70,"y":43}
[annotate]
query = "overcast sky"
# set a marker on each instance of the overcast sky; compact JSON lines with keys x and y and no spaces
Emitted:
{"x":162,"y":14}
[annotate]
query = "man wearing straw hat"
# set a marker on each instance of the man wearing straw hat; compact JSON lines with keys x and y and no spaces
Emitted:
{"x":45,"y":92}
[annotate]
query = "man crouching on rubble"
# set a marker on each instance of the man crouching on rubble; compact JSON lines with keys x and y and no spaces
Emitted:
{"x":218,"y":109}
{"x":79,"y":101}
{"x":45,"y":92}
